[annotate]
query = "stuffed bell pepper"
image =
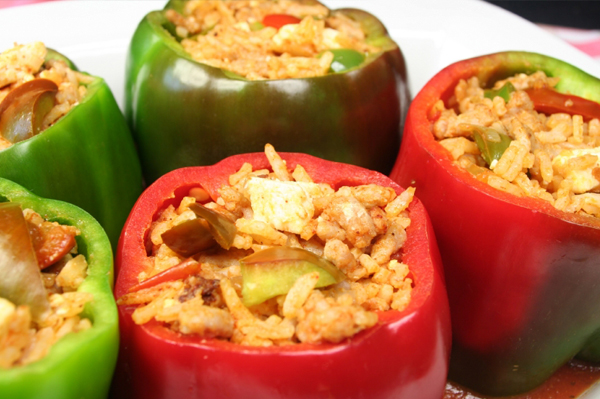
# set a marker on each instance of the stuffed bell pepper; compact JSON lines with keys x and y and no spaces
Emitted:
{"x":280,"y":276}
{"x":63,"y":136}
{"x":58,"y":318}
{"x":210,"y":79}
{"x":504,"y":152}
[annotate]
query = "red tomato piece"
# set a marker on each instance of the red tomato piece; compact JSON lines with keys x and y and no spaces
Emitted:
{"x":186,"y":268}
{"x":278,"y":20}
{"x":51,"y":241}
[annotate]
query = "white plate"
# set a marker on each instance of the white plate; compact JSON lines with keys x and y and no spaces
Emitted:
{"x":431,"y":33}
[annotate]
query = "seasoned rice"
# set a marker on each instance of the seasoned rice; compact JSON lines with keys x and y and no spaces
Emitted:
{"x":26,"y":62}
{"x":224,"y":34}
{"x":551,"y":157}
{"x":361,"y":230}
{"x":24,"y":340}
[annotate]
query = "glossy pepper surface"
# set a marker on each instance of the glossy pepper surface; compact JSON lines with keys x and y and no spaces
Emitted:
{"x":81,"y":364}
{"x":86,"y":158}
{"x":184,"y":113}
{"x":522,"y":276}
{"x":403,"y":356}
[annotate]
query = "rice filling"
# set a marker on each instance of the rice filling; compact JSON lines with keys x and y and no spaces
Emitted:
{"x":554,"y":158}
{"x":230,"y":35}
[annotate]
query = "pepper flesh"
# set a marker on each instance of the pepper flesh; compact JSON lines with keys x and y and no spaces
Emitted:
{"x":87,"y":158}
{"x":415,"y":340}
{"x":522,"y":276}
{"x":196,"y":118}
{"x":550,"y":101}
{"x":80,"y":364}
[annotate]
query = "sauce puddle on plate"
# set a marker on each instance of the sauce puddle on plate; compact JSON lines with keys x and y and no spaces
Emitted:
{"x":569,"y":382}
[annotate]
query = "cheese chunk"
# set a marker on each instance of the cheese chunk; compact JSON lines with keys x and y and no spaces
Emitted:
{"x":285,"y":33}
{"x":286,"y":206}
{"x":583,"y":179}
{"x":330,"y":38}
{"x":6,"y":312}
{"x":591,"y":203}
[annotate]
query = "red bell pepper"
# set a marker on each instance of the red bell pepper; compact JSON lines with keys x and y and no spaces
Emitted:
{"x":180,"y":271}
{"x":550,"y":101}
{"x":405,"y":355}
{"x":522,"y":276}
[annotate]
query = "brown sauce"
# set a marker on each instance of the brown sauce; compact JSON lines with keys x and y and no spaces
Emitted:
{"x":569,"y":382}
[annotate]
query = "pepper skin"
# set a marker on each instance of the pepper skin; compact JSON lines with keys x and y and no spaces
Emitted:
{"x":80,"y":365}
{"x":184,"y":113}
{"x":87,"y":158}
{"x":522,"y":276}
{"x":404,"y":356}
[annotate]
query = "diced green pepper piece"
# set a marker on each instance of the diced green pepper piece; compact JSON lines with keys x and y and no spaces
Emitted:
{"x":257,"y":25}
{"x":274,"y":271}
{"x":345,"y":59}
{"x":490,"y":142}
{"x":503,"y":92}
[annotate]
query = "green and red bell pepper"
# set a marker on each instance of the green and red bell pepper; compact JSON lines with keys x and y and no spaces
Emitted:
{"x":87,"y":158}
{"x":185,"y":113}
{"x":81,"y":364}
{"x":522,"y":276}
{"x":403,"y":356}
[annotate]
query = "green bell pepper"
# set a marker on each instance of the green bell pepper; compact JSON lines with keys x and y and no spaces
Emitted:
{"x":87,"y":158}
{"x":80,"y":365}
{"x":185,"y":113}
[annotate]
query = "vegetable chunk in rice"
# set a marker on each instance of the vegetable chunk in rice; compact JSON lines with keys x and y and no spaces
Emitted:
{"x":344,"y":267}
